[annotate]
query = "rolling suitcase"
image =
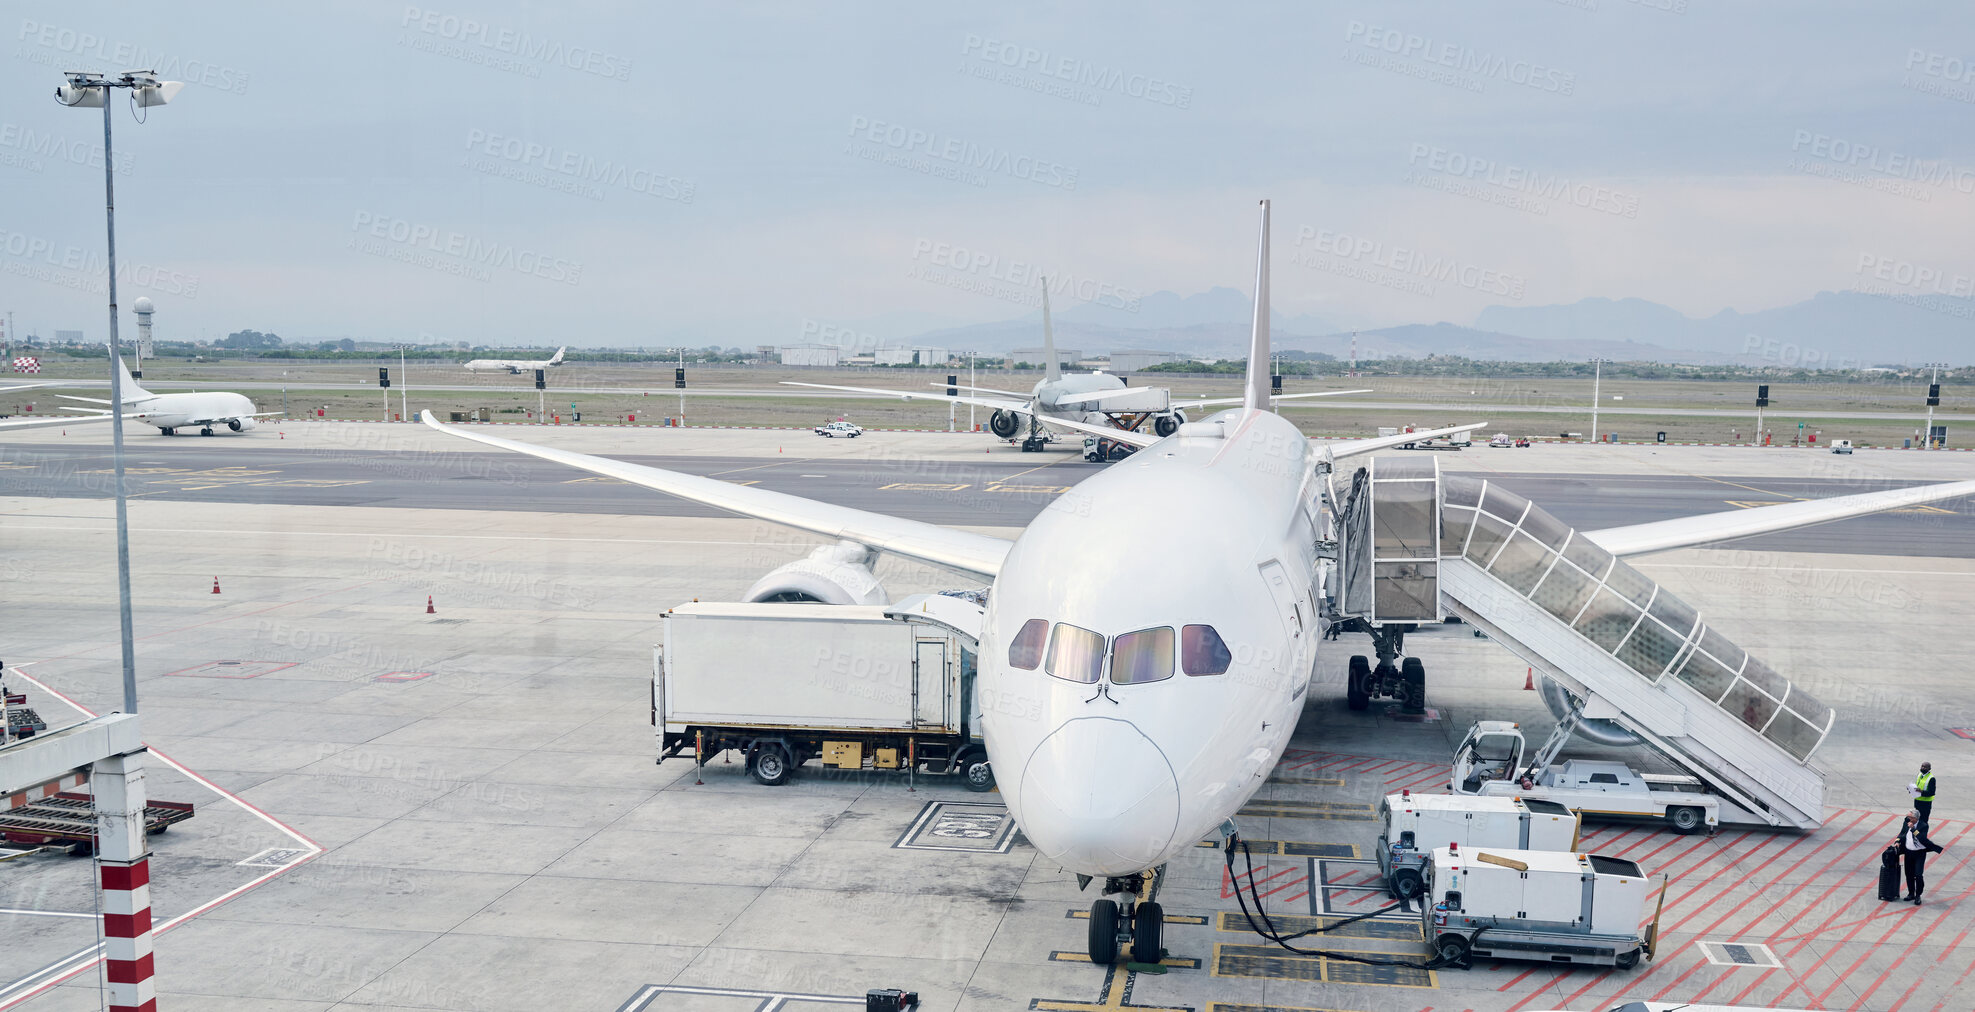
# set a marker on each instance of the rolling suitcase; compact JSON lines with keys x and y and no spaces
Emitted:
{"x":1889,"y":875}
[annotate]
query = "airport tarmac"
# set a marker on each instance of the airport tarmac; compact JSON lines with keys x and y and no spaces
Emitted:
{"x":459,"y":810}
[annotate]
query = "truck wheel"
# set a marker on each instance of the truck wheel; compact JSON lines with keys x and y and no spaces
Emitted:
{"x":1406,"y":884}
{"x":1685,"y":819}
{"x":771,"y":766}
{"x":1103,"y":933}
{"x":1452,"y":949}
{"x":1628,"y":960}
{"x":1357,"y":683}
{"x":1148,"y":933}
{"x":976,"y":773}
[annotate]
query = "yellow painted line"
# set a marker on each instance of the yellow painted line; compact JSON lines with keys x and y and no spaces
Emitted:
{"x":1084,"y":915}
{"x":1044,"y":489}
{"x":1176,"y":962}
{"x":1116,"y":994}
{"x":757,"y":467}
{"x":1038,"y":467}
{"x":919,"y":486}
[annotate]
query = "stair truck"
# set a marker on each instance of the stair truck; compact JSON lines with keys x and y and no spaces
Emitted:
{"x":1549,"y":906}
{"x":879,"y":687}
{"x":1413,"y":824}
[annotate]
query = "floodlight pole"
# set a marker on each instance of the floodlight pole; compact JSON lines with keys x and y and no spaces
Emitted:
{"x":1597,"y":376}
{"x":116,"y":421}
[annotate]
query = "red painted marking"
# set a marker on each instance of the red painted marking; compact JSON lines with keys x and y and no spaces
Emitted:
{"x":127,"y":925}
{"x":128,"y":971}
{"x":127,"y":877}
{"x":1903,"y":918}
{"x":1869,"y":839}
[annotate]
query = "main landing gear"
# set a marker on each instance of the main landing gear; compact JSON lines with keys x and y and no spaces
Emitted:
{"x":1135,"y":926}
{"x":1404,"y":681}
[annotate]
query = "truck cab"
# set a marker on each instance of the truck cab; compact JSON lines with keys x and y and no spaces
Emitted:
{"x":1490,"y":762}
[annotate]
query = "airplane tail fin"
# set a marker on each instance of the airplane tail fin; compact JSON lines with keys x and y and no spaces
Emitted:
{"x":131,"y":391}
{"x":1256,"y":394}
{"x":1051,"y":371}
{"x":557,"y":360}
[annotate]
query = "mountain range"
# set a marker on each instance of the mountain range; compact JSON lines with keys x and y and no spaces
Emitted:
{"x":1830,"y":330}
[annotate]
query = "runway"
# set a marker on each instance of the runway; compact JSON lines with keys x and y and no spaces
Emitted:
{"x":1004,"y":491}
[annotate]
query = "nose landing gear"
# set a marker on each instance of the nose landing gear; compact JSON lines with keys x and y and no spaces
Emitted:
{"x":1403,"y":679}
{"x":1136,"y":926}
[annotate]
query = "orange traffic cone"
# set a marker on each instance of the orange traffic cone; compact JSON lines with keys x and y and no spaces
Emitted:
{"x":215,"y":584}
{"x":429,"y":610}
{"x":1529,"y":679}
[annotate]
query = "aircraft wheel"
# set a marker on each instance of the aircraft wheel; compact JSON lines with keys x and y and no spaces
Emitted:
{"x":771,"y":766}
{"x":1357,"y":683}
{"x":207,"y":431}
{"x":1685,"y":819}
{"x":1413,"y":674}
{"x":1103,"y":933}
{"x":1148,"y":933}
{"x":1406,"y":884}
{"x":164,"y":432}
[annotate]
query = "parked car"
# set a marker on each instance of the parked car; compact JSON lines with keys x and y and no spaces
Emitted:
{"x":1841,"y":446}
{"x":839,"y":428}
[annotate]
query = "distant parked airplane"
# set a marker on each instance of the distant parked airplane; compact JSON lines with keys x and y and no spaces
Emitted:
{"x":515,"y":365}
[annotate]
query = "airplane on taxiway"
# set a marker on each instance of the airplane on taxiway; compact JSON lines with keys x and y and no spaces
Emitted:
{"x":1120,"y":766}
{"x":516,"y":366}
{"x":205,"y":410}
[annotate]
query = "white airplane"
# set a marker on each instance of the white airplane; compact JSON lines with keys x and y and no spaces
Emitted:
{"x":169,"y":412}
{"x":1113,"y":766}
{"x":1077,"y":401}
{"x":515,"y":365}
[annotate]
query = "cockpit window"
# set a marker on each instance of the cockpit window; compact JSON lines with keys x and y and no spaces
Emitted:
{"x":1202,"y":652}
{"x":1025,"y":650}
{"x":1075,"y":654}
{"x":1142,"y":656}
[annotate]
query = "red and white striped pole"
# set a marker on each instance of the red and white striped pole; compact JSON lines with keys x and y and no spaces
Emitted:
{"x":118,"y":784}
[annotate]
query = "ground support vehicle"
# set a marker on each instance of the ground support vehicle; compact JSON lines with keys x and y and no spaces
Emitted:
{"x":881,"y":687}
{"x":1549,"y":906}
{"x":1413,"y":824}
{"x":70,"y":818}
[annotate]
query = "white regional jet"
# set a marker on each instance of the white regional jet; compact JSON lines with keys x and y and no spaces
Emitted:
{"x":169,"y":412}
{"x":1114,"y":766}
{"x":515,"y":365}
{"x":1087,"y":402}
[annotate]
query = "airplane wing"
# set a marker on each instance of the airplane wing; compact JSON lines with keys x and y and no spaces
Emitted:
{"x":40,"y":423}
{"x":31,"y":386}
{"x":1101,"y":395}
{"x":1353,"y":447}
{"x":1021,"y":405}
{"x":968,"y":552}
{"x":1740,"y":523}
{"x":985,"y":390}
{"x":87,"y":400}
{"x":1210,"y":402}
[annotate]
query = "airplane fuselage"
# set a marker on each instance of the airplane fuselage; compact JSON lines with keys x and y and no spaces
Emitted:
{"x":194,"y":410}
{"x":1112,"y":766}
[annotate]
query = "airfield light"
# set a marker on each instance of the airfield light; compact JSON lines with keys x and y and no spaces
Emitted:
{"x":86,"y":90}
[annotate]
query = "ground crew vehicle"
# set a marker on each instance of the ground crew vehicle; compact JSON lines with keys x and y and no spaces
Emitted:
{"x":1489,"y":763}
{"x":838,"y":428}
{"x":1841,"y":446}
{"x":1098,"y":448}
{"x":1550,"y":906}
{"x":1413,"y":824}
{"x":1501,"y":440}
{"x":887,"y":687}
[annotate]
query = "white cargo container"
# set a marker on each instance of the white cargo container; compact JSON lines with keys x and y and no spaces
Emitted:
{"x":878,"y":686}
{"x":1550,"y":906}
{"x":1414,"y":824}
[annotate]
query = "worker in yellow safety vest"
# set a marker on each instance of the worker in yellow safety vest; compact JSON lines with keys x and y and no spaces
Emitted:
{"x":1923,"y":796}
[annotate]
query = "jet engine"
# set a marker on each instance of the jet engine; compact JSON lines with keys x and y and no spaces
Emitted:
{"x":240,"y":424}
{"x":1167,"y":424}
{"x":833,"y":574}
{"x":1004,"y":424}
{"x":1557,"y":700}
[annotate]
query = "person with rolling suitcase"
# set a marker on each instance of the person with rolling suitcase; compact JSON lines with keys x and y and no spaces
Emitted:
{"x":1912,"y":846}
{"x":1889,"y":875}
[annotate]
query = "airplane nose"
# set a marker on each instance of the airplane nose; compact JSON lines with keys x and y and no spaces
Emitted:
{"x":1098,"y":796}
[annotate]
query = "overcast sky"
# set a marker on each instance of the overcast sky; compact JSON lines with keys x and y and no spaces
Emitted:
{"x":740,"y":174}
